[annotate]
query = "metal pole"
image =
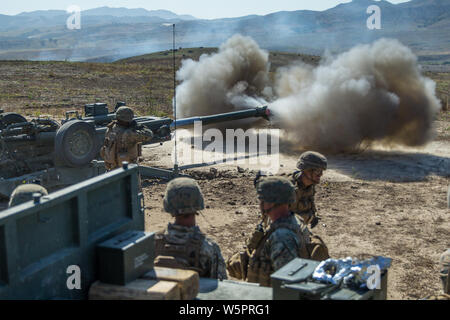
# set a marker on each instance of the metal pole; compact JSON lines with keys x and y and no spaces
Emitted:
{"x":175,"y":168}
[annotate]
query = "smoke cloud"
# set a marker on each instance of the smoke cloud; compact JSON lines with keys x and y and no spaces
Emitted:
{"x":235,"y":78}
{"x":371,"y":93}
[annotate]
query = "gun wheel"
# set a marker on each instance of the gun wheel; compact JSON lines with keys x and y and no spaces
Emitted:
{"x":75,"y":143}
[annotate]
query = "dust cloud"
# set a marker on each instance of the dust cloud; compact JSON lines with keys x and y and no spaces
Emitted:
{"x":235,"y":78}
{"x":372,"y":93}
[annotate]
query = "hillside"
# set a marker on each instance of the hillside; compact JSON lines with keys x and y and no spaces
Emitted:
{"x":144,"y":82}
{"x":109,"y":34}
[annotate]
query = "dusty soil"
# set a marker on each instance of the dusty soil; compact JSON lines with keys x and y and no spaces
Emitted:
{"x":384,"y":202}
{"x":379,"y":202}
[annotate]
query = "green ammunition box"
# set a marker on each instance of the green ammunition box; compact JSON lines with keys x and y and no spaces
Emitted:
{"x":126,"y":257}
{"x":213,"y":289}
{"x":294,"y":282}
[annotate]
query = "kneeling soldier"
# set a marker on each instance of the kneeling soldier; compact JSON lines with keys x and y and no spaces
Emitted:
{"x":182,"y":245}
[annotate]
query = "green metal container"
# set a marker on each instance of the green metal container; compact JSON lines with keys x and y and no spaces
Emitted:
{"x":41,"y":242}
{"x":126,"y":257}
{"x":294,"y":282}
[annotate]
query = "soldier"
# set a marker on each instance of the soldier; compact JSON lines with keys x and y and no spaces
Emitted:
{"x":24,"y":193}
{"x":444,"y":264}
{"x":444,"y":267}
{"x":269,"y":250}
{"x":123,"y":139}
{"x":448,"y":197}
{"x":182,"y":244}
{"x":311,"y":166}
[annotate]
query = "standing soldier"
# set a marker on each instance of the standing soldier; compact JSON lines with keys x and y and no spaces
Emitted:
{"x":444,"y":267}
{"x":123,"y":139}
{"x":311,"y":166}
{"x":182,"y":245}
{"x":444,"y":264}
{"x":448,"y":197}
{"x":277,"y":245}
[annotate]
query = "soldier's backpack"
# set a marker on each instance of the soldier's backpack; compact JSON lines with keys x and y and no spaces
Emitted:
{"x":179,"y":256}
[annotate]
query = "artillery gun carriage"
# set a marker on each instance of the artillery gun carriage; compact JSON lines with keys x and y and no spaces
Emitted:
{"x":61,"y":154}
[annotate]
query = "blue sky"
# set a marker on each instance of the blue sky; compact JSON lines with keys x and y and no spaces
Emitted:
{"x":206,"y":9}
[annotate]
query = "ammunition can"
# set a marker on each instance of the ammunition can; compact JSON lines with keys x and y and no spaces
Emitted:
{"x":126,"y":257}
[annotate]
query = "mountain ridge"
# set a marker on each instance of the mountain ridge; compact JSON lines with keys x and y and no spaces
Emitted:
{"x":423,"y":25}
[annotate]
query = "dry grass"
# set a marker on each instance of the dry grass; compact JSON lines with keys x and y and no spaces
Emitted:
{"x":145,"y":83}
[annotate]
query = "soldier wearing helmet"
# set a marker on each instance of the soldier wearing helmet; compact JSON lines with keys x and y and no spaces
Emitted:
{"x":182,"y":244}
{"x":279,"y":243}
{"x":444,"y":267}
{"x":311,"y":166}
{"x":310,"y":169}
{"x":24,"y":193}
{"x":123,"y":139}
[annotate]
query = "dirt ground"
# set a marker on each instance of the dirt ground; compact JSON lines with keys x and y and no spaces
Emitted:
{"x":383,"y":202}
{"x":379,"y":202}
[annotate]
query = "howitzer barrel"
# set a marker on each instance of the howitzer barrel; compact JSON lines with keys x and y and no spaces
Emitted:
{"x":260,"y":112}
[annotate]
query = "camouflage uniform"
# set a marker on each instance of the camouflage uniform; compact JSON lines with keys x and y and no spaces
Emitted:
{"x":191,"y":250}
{"x":448,"y":197}
{"x":282,"y":244}
{"x":269,"y":250}
{"x":187,"y":247}
{"x":304,"y":206}
{"x":24,"y":193}
{"x":122,"y":139}
{"x":444,"y":267}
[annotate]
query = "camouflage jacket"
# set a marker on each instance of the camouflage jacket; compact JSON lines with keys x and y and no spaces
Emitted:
{"x":121,"y":143}
{"x":192,"y":249}
{"x":304,"y":205}
{"x":281,"y":244}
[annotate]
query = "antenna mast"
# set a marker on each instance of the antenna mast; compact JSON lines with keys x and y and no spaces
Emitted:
{"x":175,"y":167}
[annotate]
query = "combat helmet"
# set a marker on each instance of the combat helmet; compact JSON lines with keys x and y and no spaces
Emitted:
{"x":125,"y":114}
{"x":183,"y":196}
{"x":275,"y":189}
{"x":312,"y":160}
{"x":444,"y":266}
{"x":24,"y":193}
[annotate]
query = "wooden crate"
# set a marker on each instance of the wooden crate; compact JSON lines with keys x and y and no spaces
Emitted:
{"x":187,"y":280}
{"x":140,"y":289}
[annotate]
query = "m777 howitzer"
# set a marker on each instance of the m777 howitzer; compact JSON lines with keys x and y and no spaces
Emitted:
{"x":88,"y":241}
{"x":59,"y":155}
